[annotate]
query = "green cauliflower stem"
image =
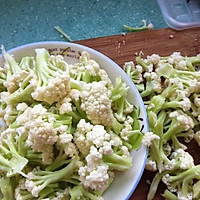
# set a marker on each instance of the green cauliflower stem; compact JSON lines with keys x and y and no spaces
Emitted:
{"x":79,"y":192}
{"x":11,"y":161}
{"x":142,"y":28}
{"x":117,"y":162}
{"x":39,"y":179}
{"x":7,"y":187}
{"x":183,"y":181}
{"x":2,"y":79}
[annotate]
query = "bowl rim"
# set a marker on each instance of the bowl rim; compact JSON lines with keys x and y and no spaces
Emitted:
{"x":41,"y":43}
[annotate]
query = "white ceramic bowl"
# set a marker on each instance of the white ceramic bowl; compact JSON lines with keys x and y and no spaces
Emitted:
{"x":124,"y":183}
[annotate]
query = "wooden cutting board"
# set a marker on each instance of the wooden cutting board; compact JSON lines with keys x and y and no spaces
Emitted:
{"x":125,"y":47}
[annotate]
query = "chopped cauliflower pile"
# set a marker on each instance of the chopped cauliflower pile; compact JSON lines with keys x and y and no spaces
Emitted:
{"x":170,"y":88}
{"x":68,"y":128}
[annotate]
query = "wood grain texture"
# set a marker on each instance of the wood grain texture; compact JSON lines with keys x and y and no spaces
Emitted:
{"x":123,"y":48}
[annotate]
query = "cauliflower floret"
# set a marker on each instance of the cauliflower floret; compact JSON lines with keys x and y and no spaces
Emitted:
{"x":88,"y":135}
{"x":105,"y":79}
{"x":183,"y":119}
{"x":41,"y":134}
{"x":96,"y":103}
{"x":93,"y":68}
{"x":127,"y":127}
{"x":165,"y":180}
{"x":125,"y":151}
{"x":13,"y":83}
{"x":96,"y":179}
{"x":58,"y":61}
{"x":21,"y":106}
{"x":30,"y":185}
{"x":189,"y":196}
{"x":148,"y":137}
{"x":56,"y":89}
{"x":31,"y":114}
{"x":98,"y":135}
{"x":65,"y":138}
{"x":186,"y":104}
{"x":80,"y":137}
{"x":181,"y":93}
{"x":64,"y":105}
{"x":7,"y":112}
{"x":61,"y":129}
{"x":154,"y":59}
{"x":93,"y":157}
{"x":84,"y":127}
{"x":75,"y":94}
{"x":186,"y":160}
{"x":155,"y":81}
{"x":134,"y":71}
{"x":95,"y":173}
{"x":106,"y":148}
{"x":181,"y":65}
{"x":151,"y":165}
{"x":70,"y":149}
{"x":116,"y":141}
{"x":169,"y":165}
{"x":193,"y":88}
{"x":176,"y":56}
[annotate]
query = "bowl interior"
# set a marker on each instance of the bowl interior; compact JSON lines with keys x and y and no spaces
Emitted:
{"x":125,"y":182}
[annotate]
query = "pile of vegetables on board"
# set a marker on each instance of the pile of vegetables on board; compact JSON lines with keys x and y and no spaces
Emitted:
{"x":66,"y":128}
{"x":170,"y":88}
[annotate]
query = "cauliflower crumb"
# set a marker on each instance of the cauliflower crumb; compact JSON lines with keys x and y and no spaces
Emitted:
{"x":150,"y":26}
